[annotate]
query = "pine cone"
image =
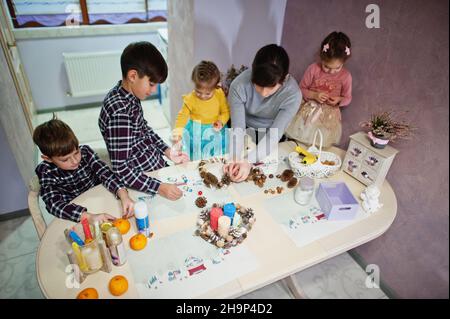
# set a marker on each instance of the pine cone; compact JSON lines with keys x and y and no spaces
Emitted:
{"x":287,"y":175}
{"x":292,"y":182}
{"x":201,"y":202}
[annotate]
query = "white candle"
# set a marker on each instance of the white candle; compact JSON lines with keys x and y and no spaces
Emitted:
{"x":237,"y":220}
{"x":224,"y":226}
{"x":92,"y":256}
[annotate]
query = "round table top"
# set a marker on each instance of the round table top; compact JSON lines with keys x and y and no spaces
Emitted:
{"x":285,"y":259}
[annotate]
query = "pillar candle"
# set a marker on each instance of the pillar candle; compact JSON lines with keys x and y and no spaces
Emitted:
{"x":236,"y":220}
{"x":214,"y":215}
{"x":87,"y":230}
{"x":92,"y":256}
{"x":229,"y":210}
{"x":224,"y":226}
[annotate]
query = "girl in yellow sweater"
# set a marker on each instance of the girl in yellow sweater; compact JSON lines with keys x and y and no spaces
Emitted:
{"x":201,"y":122}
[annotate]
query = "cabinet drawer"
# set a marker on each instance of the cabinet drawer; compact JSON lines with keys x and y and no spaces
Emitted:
{"x":351,"y":166}
{"x":367,"y":175}
{"x":357,"y":150}
{"x":373,"y":161}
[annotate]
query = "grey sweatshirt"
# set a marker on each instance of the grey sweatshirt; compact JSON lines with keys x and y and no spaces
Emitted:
{"x":249,"y":109}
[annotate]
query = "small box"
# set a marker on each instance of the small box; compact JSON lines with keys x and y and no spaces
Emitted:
{"x":366,"y":163}
{"x":336,"y":201}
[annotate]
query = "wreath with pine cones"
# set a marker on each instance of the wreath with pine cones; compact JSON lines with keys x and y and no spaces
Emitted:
{"x":236,"y":234}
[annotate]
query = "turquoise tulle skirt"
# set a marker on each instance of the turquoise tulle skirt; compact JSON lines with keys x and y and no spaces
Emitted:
{"x":201,"y":141}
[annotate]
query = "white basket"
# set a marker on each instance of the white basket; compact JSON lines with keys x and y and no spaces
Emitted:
{"x":316,"y":169}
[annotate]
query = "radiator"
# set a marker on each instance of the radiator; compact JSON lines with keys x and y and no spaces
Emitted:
{"x":92,"y":73}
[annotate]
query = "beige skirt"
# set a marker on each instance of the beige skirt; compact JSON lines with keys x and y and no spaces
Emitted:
{"x":312,"y":116}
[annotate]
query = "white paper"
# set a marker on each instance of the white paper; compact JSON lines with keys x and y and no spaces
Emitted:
{"x":300,"y":222}
{"x":186,"y":266}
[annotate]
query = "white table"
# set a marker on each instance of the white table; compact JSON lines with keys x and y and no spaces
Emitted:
{"x":285,"y":257}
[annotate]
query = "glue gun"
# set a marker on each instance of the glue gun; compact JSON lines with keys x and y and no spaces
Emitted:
{"x":306,"y":157}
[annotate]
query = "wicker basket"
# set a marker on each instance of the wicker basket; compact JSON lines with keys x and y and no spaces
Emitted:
{"x":317,"y":169}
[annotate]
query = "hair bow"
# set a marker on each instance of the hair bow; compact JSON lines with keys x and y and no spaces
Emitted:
{"x":325,"y":47}
{"x":347,"y":50}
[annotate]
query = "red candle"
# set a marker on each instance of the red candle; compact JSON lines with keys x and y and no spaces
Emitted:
{"x":216,"y":212}
{"x":87,"y":230}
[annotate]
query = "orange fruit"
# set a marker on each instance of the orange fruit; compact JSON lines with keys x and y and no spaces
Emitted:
{"x":138,"y":242}
{"x":118,"y":285}
{"x":122,"y":225}
{"x":88,"y":293}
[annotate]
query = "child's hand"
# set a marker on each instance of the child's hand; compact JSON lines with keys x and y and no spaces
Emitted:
{"x":321,"y":97}
{"x":217,"y":125}
{"x":101,"y":218}
{"x":169,"y":191}
{"x":176,"y":139}
{"x":334,"y":100}
{"x":127,"y":203}
{"x":176,"y":156}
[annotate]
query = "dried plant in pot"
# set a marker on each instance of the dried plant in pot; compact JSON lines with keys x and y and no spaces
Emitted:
{"x":385,"y":126}
{"x":230,"y":75}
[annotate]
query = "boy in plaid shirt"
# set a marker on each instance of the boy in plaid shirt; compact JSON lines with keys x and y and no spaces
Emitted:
{"x":70,"y":169}
{"x":133,"y":146}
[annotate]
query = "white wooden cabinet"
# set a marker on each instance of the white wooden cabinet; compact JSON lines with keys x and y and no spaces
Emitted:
{"x":366,"y":163}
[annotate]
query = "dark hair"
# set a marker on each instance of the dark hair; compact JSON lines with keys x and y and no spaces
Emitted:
{"x":145,"y":58}
{"x":206,"y":72}
{"x":270,"y":66}
{"x":335,"y":46}
{"x":55,"y":138}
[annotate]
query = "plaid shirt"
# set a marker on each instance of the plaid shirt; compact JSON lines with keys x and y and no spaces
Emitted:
{"x":59,"y":187}
{"x":134,"y":148}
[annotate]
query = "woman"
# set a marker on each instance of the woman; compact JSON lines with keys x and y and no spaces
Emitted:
{"x":264,"y":98}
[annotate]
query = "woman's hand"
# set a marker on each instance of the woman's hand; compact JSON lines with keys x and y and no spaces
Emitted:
{"x":238,"y":172}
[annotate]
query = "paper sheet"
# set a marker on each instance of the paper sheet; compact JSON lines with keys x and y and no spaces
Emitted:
{"x":178,"y":266}
{"x":304,"y":224}
{"x":275,"y":167}
{"x":161,"y":207}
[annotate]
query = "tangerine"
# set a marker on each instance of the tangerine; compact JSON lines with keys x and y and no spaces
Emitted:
{"x":122,"y":225}
{"x":88,"y":293}
{"x":138,"y":242}
{"x":118,"y":285}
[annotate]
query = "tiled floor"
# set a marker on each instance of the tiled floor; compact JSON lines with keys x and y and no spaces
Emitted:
{"x":339,"y":277}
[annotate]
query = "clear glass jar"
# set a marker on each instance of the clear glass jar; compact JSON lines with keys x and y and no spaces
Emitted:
{"x":92,"y":256}
{"x":304,"y":191}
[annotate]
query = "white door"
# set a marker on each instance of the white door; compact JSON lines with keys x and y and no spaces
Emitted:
{"x":8,"y":44}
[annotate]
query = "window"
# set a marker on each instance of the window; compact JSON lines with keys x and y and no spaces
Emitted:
{"x":52,"y":13}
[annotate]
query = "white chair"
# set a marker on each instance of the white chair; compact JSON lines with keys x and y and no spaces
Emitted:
{"x":33,"y":206}
{"x":33,"y":196}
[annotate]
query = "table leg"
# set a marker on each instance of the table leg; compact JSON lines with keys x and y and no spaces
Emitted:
{"x":295,"y":288}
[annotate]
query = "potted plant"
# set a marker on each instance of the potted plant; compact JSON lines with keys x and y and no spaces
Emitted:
{"x":230,"y":75}
{"x":383,"y":127}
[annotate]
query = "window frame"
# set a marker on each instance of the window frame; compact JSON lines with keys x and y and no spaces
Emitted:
{"x":84,"y":14}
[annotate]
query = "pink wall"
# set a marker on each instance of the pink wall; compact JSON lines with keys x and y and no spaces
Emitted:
{"x":403,"y":64}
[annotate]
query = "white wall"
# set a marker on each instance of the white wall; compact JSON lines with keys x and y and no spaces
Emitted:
{"x":230,"y":32}
{"x":226,"y":32}
{"x":13,"y":192}
{"x":44,"y":65}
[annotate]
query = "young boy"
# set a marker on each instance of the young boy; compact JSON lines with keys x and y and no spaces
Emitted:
{"x":70,"y":169}
{"x":133,"y":146}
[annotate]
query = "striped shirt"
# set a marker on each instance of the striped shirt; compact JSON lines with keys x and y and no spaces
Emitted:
{"x":59,"y":187}
{"x":133,"y":146}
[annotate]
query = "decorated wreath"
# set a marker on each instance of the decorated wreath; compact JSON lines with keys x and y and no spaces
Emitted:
{"x":221,"y":232}
{"x":209,"y":179}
